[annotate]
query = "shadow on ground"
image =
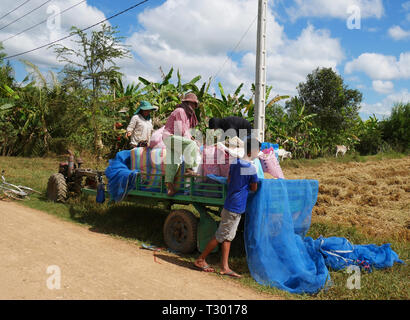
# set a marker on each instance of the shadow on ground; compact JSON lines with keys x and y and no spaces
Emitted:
{"x":140,"y":223}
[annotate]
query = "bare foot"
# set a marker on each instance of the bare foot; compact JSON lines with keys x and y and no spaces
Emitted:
{"x":190,"y":172}
{"x":230,"y":273}
{"x":170,"y":189}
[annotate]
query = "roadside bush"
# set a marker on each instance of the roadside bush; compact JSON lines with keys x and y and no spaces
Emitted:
{"x":396,"y":129}
{"x":370,"y":135}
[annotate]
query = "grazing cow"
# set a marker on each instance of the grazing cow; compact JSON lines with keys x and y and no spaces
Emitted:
{"x":283,"y":154}
{"x":341,"y":149}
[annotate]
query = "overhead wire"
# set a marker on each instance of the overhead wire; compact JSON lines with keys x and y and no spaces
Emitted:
{"x":36,"y":25}
{"x":18,"y":19}
{"x":82,"y":30}
{"x":236,"y":47}
{"x":14,"y":9}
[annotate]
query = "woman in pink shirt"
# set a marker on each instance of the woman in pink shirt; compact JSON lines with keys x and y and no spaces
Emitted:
{"x":179,"y":141}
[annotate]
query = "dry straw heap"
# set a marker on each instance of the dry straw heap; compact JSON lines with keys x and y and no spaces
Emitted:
{"x":374,"y":195}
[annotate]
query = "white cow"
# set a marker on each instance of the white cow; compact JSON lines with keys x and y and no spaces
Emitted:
{"x":341,"y":149}
{"x":283,"y":154}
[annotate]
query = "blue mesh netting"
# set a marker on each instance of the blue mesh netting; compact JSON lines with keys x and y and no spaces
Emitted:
{"x":278,"y":254}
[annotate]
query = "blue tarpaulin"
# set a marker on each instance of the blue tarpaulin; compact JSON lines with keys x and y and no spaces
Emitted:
{"x":120,"y":178}
{"x":278,"y":217}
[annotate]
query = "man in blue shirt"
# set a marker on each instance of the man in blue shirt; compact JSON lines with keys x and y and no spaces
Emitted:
{"x":242,"y":178}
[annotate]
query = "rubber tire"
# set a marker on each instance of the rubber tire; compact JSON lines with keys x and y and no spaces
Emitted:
{"x":180,"y":231}
{"x":57,"y":188}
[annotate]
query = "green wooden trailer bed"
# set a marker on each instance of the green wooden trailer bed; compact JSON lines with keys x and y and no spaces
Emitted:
{"x":183,"y":231}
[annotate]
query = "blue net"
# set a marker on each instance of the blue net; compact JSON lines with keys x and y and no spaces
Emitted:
{"x":340,"y":253}
{"x":278,"y":253}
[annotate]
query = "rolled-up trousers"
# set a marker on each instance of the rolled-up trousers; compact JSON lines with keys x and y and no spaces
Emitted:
{"x":176,"y":147}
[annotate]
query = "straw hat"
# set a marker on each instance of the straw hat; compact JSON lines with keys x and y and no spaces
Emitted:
{"x":191,"y":97}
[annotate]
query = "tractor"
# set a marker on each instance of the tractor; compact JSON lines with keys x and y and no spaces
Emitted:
{"x":70,"y":179}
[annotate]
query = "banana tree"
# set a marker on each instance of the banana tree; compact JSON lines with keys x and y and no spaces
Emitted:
{"x":302,"y":131}
{"x":124,"y":99}
{"x":250,"y":107}
{"x":166,"y":95}
{"x":227,"y":105}
{"x":39,"y":93}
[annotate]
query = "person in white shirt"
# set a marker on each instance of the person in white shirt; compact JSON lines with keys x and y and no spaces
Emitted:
{"x":140,"y":127}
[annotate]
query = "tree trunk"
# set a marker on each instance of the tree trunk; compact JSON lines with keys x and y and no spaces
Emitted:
{"x":98,"y":144}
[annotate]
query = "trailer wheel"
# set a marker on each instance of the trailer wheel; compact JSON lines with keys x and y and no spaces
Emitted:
{"x":180,"y":231}
{"x":57,"y":188}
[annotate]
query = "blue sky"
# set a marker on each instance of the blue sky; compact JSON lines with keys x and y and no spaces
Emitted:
{"x":197,"y":37}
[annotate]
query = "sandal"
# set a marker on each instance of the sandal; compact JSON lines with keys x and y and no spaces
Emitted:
{"x":205,"y":268}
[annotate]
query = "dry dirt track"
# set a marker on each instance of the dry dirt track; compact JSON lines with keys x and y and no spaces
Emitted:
{"x":93,"y":265}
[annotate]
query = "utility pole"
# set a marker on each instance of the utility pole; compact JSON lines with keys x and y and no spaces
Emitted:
{"x":260,"y":78}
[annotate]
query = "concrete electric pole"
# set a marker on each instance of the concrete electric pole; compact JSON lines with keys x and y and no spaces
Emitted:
{"x":260,"y":80}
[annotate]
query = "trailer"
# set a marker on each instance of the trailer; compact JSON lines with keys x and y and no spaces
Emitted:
{"x":183,"y":231}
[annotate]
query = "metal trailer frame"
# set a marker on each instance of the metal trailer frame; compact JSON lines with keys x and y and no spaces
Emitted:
{"x":183,"y":231}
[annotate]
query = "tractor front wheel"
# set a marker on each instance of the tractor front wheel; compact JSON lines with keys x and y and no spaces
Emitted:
{"x":57,"y":188}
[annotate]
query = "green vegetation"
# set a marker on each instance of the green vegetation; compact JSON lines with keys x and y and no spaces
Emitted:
{"x":86,"y":107}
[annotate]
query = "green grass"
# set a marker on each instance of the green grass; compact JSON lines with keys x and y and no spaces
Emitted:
{"x":143,"y":224}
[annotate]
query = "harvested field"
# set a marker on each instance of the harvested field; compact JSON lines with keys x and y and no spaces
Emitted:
{"x":373,"y":196}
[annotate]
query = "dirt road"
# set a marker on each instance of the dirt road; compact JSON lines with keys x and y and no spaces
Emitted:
{"x":93,"y":265}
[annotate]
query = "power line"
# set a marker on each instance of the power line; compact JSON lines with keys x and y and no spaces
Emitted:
{"x":14,"y":9}
{"x":32,"y":27}
{"x":71,"y":34}
{"x":236,"y":47}
{"x":25,"y":15}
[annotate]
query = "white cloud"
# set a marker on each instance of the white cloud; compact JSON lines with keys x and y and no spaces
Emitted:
{"x":335,"y":8}
{"x":203,"y":50}
{"x":211,"y":26}
{"x":44,"y":34}
{"x":397,"y":33}
{"x":406,"y":6}
{"x":381,"y":67}
{"x":195,"y":37}
{"x":297,"y":58}
{"x":402,"y":96}
{"x":384,"y":107}
{"x":383,"y":86}
{"x":289,"y":64}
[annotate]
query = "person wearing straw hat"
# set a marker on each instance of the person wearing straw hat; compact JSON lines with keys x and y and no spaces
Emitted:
{"x":140,"y":127}
{"x":178,"y":140}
